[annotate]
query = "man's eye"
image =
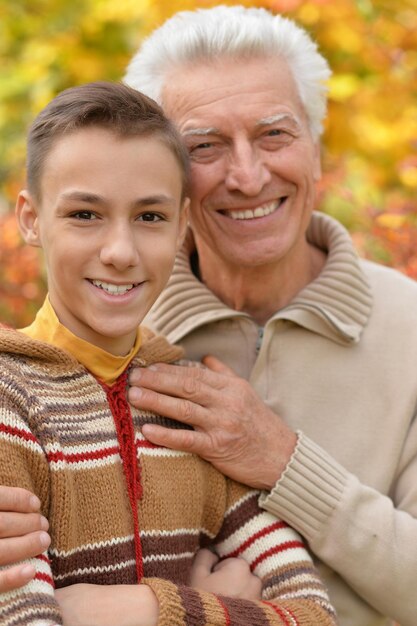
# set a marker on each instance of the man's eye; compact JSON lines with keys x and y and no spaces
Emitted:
{"x":275,"y":132}
{"x":149,"y":217}
{"x":205,"y":145}
{"x":84,"y":215}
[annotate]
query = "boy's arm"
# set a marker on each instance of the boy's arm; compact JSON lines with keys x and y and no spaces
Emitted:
{"x":293,"y":594}
{"x":291,"y":586}
{"x":23,"y":463}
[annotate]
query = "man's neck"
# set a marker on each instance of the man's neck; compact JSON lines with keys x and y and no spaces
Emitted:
{"x":260,"y":291}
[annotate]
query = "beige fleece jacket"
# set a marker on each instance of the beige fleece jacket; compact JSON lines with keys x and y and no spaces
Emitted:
{"x":340,"y":365}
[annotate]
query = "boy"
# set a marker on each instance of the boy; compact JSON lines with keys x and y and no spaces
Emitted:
{"x":106,"y":200}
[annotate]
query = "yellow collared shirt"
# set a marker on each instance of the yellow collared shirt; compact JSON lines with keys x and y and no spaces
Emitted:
{"x":105,"y":366}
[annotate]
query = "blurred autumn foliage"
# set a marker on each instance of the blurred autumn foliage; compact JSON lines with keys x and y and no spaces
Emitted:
{"x":369,"y":147}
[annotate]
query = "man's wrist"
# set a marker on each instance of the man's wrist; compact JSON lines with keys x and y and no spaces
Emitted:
{"x":271,"y":473}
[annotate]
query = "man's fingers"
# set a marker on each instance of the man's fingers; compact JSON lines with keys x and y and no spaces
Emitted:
{"x":177,"y":439}
{"x":215,"y":365}
{"x":18,"y":500}
{"x":16,"y":577}
{"x":176,"y":408}
{"x":178,"y":381}
{"x":20,"y":548}
{"x":157,"y":370}
{"x":18,"y":524}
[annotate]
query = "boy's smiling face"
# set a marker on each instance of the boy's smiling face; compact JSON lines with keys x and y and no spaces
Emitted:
{"x":110,"y":222}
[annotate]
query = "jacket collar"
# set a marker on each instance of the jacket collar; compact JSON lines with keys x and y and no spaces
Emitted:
{"x":337,"y":304}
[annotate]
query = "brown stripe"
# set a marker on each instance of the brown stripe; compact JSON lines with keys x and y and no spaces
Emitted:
{"x":93,"y":557}
{"x":120,"y":576}
{"x":292,"y":578}
{"x":19,"y":607}
{"x":177,"y":571}
{"x":242,"y":514}
{"x":193,"y":605}
{"x":174,"y":544}
{"x":245,"y":612}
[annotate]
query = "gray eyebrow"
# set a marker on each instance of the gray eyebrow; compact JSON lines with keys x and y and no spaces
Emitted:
{"x":201,"y":131}
{"x":272,"y":119}
{"x":266,"y":121}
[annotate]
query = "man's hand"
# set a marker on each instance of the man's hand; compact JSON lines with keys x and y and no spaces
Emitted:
{"x":108,"y":605}
{"x":231,"y":577}
{"x":234,"y":429}
{"x":22,"y":535}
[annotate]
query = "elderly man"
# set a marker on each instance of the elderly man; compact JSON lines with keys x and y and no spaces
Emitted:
{"x":318,"y":408}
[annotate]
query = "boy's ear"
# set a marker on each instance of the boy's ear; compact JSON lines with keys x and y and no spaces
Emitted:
{"x":27,"y":218}
{"x":184,"y":212}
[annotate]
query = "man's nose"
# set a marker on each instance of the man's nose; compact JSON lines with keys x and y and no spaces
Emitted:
{"x":119,"y":247}
{"x":247,"y":171}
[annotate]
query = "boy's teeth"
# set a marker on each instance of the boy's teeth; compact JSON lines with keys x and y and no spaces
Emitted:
{"x":113,"y":289}
{"x":260,"y":211}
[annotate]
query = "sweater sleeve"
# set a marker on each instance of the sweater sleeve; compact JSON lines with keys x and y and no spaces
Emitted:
{"x":347,"y":522}
{"x":292,"y":592}
{"x":23,"y":464}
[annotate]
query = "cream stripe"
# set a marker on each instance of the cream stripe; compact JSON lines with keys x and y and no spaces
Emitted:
{"x":97,"y":570}
{"x":91,"y":546}
{"x":168,"y":557}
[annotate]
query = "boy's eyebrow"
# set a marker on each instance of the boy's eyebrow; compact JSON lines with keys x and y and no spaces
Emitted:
{"x":156,"y":199}
{"x":92,"y":198}
{"x":83,"y":196}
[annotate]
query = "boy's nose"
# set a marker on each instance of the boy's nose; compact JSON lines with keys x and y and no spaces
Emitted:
{"x":119,"y":248}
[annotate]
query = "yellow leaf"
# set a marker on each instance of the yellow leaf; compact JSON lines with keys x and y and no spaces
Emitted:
{"x":408,"y":176}
{"x":343,"y":86}
{"x":391,"y":220}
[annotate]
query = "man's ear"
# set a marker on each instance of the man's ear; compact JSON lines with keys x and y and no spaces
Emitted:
{"x":27,"y":218}
{"x":184,"y":213}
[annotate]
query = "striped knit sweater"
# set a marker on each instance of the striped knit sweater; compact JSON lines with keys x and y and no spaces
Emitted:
{"x":123,"y":511}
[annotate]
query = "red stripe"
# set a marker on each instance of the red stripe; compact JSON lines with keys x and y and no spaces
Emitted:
{"x":288,"y":545}
{"x":43,"y":557}
{"x":144,"y":443}
{"x":18,"y":432}
{"x":225,"y":611}
{"x":253,"y":538}
{"x":282,"y":615}
{"x":76,"y":457}
{"x":45,"y":578}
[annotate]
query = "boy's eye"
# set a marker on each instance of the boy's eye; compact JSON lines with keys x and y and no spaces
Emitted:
{"x":84,"y":215}
{"x":149,"y":217}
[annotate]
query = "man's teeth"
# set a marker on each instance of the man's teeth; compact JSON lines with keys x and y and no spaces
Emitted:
{"x":113,"y":289}
{"x":260,"y":211}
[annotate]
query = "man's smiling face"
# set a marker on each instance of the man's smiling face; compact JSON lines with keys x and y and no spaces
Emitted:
{"x":253,"y":161}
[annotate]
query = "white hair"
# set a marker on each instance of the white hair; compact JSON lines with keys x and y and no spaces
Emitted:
{"x":237,"y":32}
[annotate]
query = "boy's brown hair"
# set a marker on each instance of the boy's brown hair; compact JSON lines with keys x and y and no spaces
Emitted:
{"x":113,"y":106}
